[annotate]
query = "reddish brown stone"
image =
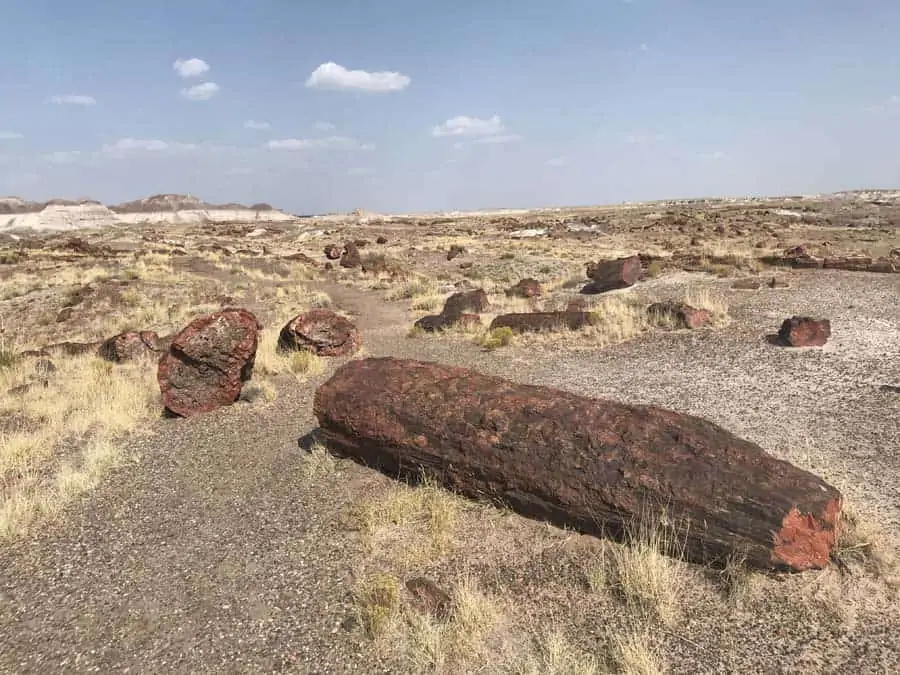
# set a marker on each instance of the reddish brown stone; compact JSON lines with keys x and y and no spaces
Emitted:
{"x":592,"y":465}
{"x":131,"y":346}
{"x":526,"y":288}
{"x":609,"y":275}
{"x":332,"y":251}
{"x":351,"y":256}
{"x":856,"y":263}
{"x":804,"y":331}
{"x":301,"y":257}
{"x":428,"y":598}
{"x":208,"y":362}
{"x":465,"y":301}
{"x":747,"y":284}
{"x":679,"y":314}
{"x":542,"y":321}
{"x":432,"y":323}
{"x":321,"y":331}
{"x":455,"y":251}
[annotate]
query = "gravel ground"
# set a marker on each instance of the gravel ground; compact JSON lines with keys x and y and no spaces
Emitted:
{"x":211,"y":553}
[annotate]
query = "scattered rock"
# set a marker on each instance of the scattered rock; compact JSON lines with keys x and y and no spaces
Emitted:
{"x":429,"y":598}
{"x":526,"y":288}
{"x":747,"y":284}
{"x":208,"y":362}
{"x":351,"y":257}
{"x":455,"y":251}
{"x":332,"y":251}
{"x":328,"y":267}
{"x":466,"y":265}
{"x":804,"y":331}
{"x":679,"y":314}
{"x":542,"y":321}
{"x":301,"y":257}
{"x":361,"y":243}
{"x":589,"y":464}
{"x":131,"y":346}
{"x":609,"y":275}
{"x":381,"y":240}
{"x":466,"y":301}
{"x":65,"y":314}
{"x":433,"y":323}
{"x":321,"y":331}
{"x":775,"y":282}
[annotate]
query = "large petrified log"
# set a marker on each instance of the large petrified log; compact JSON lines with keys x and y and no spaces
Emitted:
{"x":610,"y":275}
{"x":595,"y":465}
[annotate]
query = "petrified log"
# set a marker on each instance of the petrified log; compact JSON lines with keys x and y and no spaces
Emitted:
{"x":804,"y":331}
{"x":523,"y":322}
{"x":591,"y":464}
{"x":609,"y":275}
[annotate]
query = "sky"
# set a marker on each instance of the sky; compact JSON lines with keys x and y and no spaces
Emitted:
{"x":399,"y":106}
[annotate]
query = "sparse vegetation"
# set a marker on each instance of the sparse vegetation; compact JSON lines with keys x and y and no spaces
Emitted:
{"x":497,"y":337}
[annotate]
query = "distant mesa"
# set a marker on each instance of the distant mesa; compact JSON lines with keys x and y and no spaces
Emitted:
{"x":69,"y":214}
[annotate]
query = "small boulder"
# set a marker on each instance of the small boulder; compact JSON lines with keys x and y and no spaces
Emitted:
{"x":455,"y":250}
{"x":131,"y":346}
{"x":747,"y":284}
{"x":465,"y":301}
{"x":332,"y":251}
{"x":679,"y":314}
{"x":609,"y":275}
{"x":208,"y":362}
{"x":804,"y":331}
{"x":526,"y":288}
{"x":351,"y":257}
{"x":432,"y":323}
{"x":534,"y":322}
{"x":301,"y":257}
{"x":428,"y":598}
{"x":381,"y":239}
{"x":322,"y":332}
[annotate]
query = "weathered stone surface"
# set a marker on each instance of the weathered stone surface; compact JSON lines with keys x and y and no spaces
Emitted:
{"x":433,"y":323}
{"x":525,"y":288}
{"x":351,"y":256}
{"x":465,"y":301}
{"x":332,"y":251}
{"x":130,"y":346}
{"x":429,"y":598}
{"x":590,"y":464}
{"x":804,"y":331}
{"x":609,"y":275}
{"x":542,"y":321}
{"x":679,"y":314}
{"x":208,"y":362}
{"x":381,"y":239}
{"x":455,"y":251}
{"x":747,"y":284}
{"x":321,"y":331}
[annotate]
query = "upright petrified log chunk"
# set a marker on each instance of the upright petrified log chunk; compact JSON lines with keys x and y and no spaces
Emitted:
{"x":804,"y":331}
{"x":208,"y":362}
{"x":131,"y":346}
{"x":465,"y":301}
{"x":320,"y":331}
{"x":594,"y":465}
{"x":609,"y":275}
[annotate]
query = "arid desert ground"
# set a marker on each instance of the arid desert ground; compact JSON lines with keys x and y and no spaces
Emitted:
{"x":219,"y":543}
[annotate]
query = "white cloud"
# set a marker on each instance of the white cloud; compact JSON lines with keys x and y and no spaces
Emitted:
{"x":556,"y":161}
{"x":10,"y":136}
{"x":190,"y":67}
{"x":201,"y":92}
{"x":314,"y":143}
{"x":323,"y":126}
{"x":132,"y":145}
{"x":73,"y":99}
{"x":62,"y":156}
{"x":498,"y":140}
{"x":257,"y":126}
{"x":462,"y":125}
{"x":333,"y":76}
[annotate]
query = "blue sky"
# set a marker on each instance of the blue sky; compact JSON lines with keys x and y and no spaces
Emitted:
{"x":447,"y":106}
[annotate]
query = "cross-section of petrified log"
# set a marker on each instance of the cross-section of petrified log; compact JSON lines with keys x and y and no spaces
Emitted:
{"x":591,"y":464}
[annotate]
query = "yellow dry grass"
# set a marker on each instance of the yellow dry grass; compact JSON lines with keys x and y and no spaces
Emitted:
{"x":68,"y":433}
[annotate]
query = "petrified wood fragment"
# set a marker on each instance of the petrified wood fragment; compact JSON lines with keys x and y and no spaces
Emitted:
{"x":590,"y":464}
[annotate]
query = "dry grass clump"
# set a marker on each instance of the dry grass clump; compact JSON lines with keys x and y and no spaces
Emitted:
{"x":862,"y":543}
{"x":396,"y":520}
{"x":496,"y":337}
{"x":67,"y":434}
{"x":618,"y":318}
{"x":270,"y":360}
{"x":377,"y":600}
{"x":554,"y":654}
{"x":703,"y":297}
{"x":636,"y":653}
{"x":421,"y":291}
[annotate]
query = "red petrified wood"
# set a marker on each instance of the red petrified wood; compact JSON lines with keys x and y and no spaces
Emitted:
{"x":804,"y":331}
{"x":208,"y":362}
{"x":591,"y":464}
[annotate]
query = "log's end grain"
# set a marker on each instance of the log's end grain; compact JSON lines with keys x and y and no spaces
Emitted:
{"x":805,"y":541}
